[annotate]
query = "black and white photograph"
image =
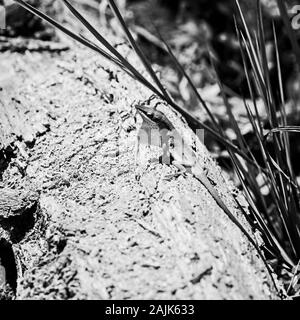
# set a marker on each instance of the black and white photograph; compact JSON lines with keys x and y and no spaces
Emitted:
{"x":148,"y":152}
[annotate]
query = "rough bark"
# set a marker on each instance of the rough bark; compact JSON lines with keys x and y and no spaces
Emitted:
{"x":101,"y":232}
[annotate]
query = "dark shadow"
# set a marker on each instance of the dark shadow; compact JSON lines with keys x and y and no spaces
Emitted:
{"x":8,"y":262}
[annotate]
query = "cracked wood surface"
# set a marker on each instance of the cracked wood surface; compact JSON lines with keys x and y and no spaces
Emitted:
{"x":115,"y":231}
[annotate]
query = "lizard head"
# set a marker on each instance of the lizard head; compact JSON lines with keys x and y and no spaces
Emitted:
{"x":147,"y":114}
{"x":153,"y":117}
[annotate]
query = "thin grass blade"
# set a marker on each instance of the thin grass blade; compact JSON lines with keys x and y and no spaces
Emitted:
{"x":137,"y":49}
{"x":189,"y":80}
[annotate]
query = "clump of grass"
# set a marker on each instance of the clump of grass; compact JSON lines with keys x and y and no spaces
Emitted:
{"x":275,"y":214}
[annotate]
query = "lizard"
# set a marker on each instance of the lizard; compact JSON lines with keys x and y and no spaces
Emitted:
{"x":186,"y":162}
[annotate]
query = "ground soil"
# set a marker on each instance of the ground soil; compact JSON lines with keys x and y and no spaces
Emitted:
{"x":106,"y":228}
